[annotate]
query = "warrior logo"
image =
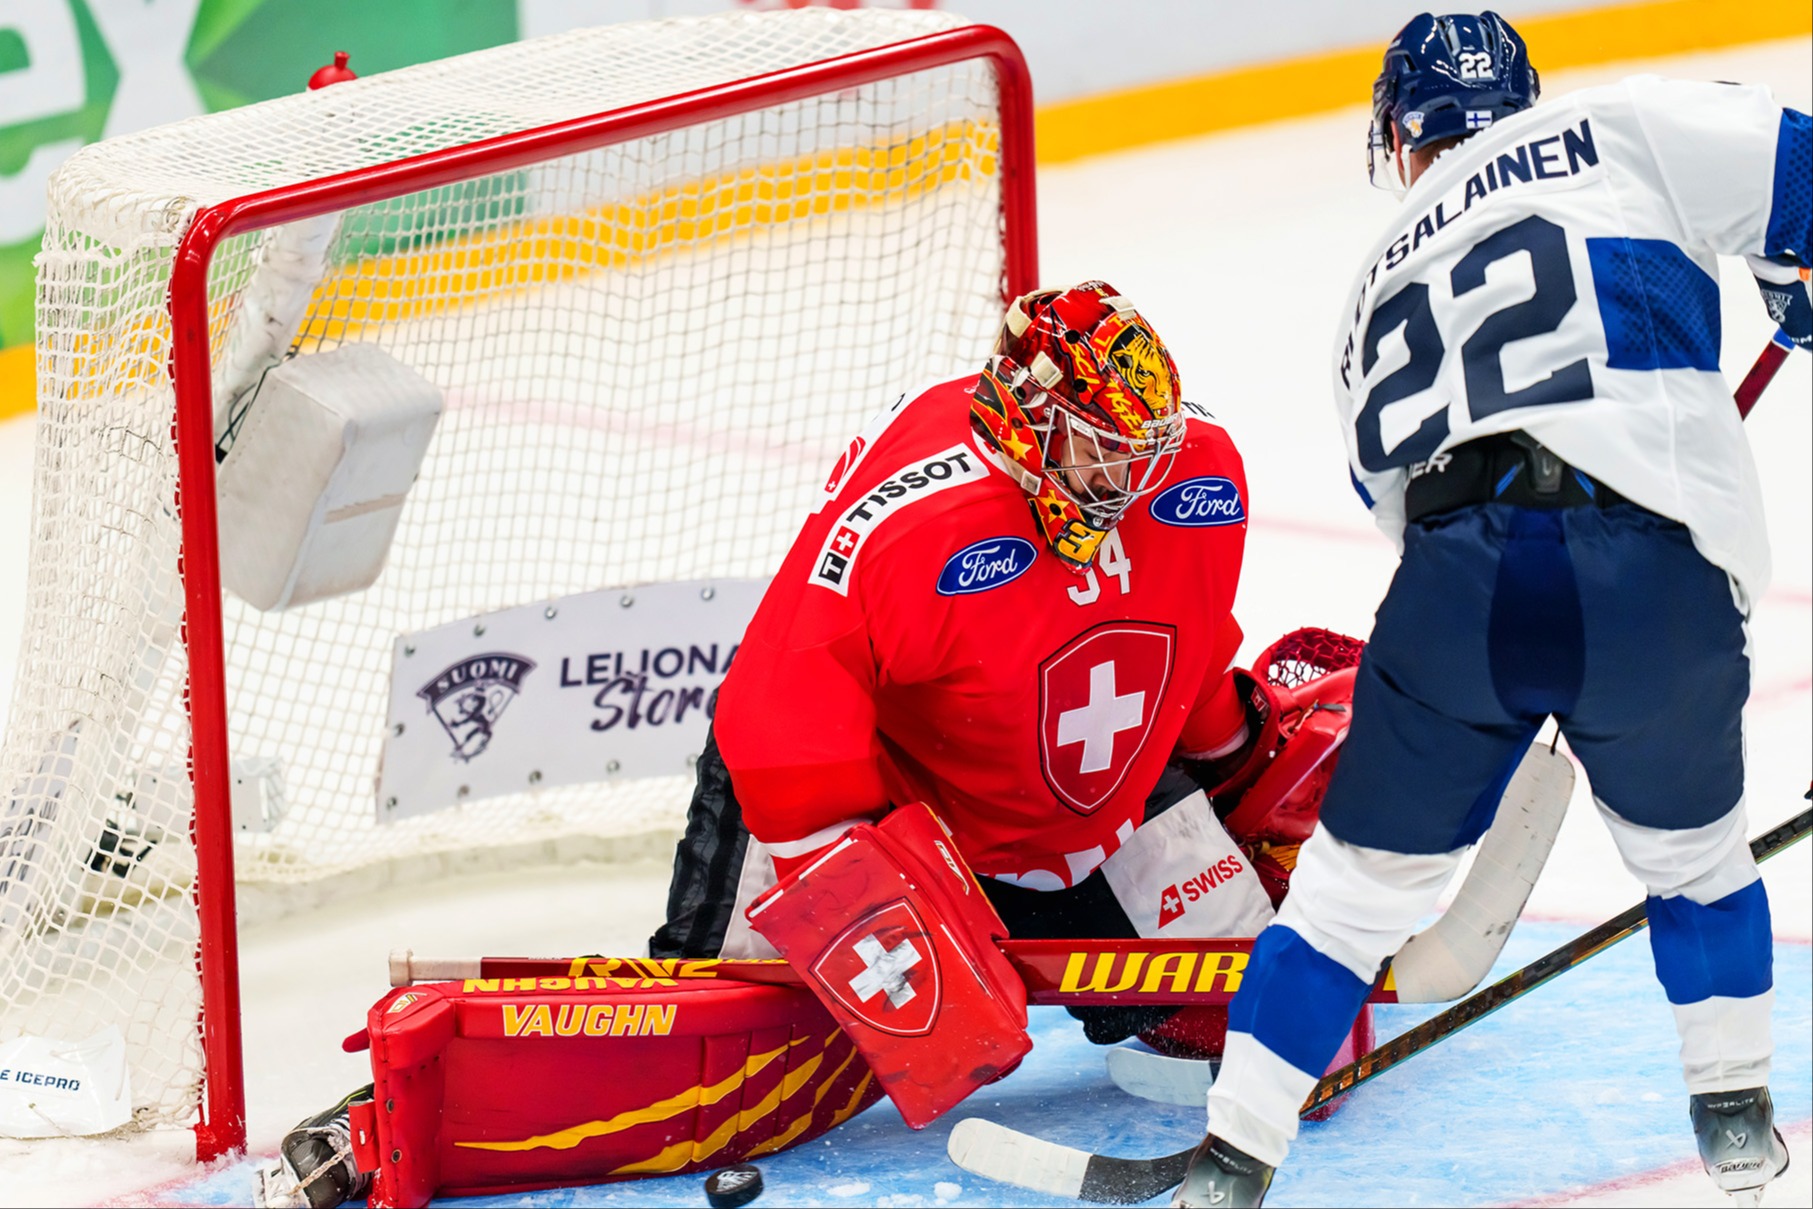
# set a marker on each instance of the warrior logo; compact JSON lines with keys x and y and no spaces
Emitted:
{"x":1098,"y":698}
{"x":883,"y":970}
{"x":469,"y":697}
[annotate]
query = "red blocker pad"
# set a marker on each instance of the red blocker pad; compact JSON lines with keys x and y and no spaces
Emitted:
{"x":514,"y":1084}
{"x":893,"y":934}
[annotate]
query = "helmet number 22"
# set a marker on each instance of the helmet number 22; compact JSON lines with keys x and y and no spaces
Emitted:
{"x":1112,"y":562}
{"x":1482,"y":369}
{"x":1475,"y":65}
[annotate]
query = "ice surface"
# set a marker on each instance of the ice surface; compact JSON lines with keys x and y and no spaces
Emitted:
{"x":1238,"y":247}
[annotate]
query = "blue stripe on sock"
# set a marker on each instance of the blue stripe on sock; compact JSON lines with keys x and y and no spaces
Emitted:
{"x":1722,"y":948}
{"x":1296,"y":1002}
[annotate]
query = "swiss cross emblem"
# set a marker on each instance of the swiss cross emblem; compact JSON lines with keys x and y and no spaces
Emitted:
{"x":883,"y":970}
{"x":1098,"y":697}
{"x":844,"y":541}
{"x":1170,"y":906}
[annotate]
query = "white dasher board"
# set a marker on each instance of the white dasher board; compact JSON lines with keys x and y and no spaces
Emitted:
{"x":604,"y":685}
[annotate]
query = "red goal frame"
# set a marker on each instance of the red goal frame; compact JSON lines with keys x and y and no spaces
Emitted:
{"x":221,"y":1127}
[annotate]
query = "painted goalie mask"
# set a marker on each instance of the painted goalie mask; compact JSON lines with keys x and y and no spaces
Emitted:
{"x":1080,"y":403}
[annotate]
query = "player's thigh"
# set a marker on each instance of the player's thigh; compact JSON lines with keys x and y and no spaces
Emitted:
{"x":1431,"y":746}
{"x":1658,"y":723}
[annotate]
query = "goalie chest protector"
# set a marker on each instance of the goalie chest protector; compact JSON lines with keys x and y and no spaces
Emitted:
{"x":514,"y":1084}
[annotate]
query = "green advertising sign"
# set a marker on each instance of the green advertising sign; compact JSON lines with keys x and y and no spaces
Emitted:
{"x":73,"y":71}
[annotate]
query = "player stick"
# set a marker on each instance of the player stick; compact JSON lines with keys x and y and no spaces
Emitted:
{"x":1008,"y":1156}
{"x":1454,"y":954}
{"x":1450,"y":957}
{"x":1751,"y":388}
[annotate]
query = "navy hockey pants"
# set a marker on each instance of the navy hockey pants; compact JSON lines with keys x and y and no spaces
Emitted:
{"x":1500,"y":617}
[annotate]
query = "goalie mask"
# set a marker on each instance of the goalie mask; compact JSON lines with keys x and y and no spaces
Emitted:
{"x":1080,"y":403}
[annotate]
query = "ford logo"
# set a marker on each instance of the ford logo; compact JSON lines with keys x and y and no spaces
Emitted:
{"x":986,"y":564}
{"x":1199,"y":503}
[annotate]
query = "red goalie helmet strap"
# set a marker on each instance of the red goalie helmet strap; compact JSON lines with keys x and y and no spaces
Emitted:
{"x":1081,"y":403}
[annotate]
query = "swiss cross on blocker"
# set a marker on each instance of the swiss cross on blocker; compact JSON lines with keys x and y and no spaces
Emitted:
{"x":883,"y":970}
{"x":1098,"y":697}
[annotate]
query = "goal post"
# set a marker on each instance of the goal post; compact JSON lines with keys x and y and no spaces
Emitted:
{"x":653,"y":317}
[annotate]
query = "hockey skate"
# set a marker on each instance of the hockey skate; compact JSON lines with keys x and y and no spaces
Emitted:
{"x":314,"y":1167}
{"x":1221,"y":1177}
{"x":1738,"y":1140}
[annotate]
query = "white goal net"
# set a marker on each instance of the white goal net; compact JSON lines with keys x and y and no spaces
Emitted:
{"x":649,"y":354}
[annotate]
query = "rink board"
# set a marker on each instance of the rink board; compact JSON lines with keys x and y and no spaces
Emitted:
{"x":1575,"y":1085}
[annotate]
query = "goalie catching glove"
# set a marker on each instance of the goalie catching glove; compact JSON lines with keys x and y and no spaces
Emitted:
{"x":891,"y":931}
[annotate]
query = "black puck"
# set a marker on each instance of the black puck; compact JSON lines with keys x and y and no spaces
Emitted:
{"x":733,"y":1186}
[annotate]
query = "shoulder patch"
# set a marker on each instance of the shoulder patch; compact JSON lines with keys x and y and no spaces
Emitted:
{"x":986,"y":564}
{"x":919,"y":479}
{"x":1199,"y":503}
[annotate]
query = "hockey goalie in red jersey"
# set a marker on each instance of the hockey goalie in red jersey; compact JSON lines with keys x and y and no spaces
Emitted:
{"x":1013,"y":604}
{"x":991,"y":691}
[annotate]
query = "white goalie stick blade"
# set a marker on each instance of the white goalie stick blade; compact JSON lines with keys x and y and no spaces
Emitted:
{"x":1184,"y":1082}
{"x":1453,"y":955}
{"x":1005,"y":1155}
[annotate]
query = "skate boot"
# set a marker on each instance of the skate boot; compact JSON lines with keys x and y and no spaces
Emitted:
{"x":1221,"y":1177}
{"x":314,"y":1168}
{"x":1739,"y":1143}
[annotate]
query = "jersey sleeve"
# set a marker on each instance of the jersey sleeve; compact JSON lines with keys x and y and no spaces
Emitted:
{"x":795,"y":718}
{"x":1736,"y":166}
{"x":1218,"y":714}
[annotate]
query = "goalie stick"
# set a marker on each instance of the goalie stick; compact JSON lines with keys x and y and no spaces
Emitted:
{"x":995,"y":1152}
{"x":1450,"y":957}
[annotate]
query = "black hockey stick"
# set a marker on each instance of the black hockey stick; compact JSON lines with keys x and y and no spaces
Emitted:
{"x":995,"y":1152}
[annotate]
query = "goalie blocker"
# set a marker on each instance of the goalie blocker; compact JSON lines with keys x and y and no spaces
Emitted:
{"x":891,"y":931}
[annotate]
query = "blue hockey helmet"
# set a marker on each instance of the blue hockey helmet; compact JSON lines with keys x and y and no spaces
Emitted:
{"x":1445,"y":76}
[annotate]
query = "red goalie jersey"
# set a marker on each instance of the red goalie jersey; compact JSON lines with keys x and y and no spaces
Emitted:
{"x":921,"y":643}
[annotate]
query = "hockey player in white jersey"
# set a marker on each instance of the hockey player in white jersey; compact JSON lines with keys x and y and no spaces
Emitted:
{"x":1527,"y":378}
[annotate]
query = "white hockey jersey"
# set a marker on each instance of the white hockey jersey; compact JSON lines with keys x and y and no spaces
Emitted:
{"x":1556,"y":273}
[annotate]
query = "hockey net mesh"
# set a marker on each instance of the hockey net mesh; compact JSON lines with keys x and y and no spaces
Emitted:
{"x":651,"y":353}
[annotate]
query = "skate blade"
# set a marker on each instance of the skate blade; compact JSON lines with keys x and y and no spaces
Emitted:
{"x":276,"y":1188}
{"x":1748,"y":1196}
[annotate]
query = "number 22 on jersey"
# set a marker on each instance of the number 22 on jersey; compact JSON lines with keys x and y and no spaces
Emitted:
{"x":1413,"y":310}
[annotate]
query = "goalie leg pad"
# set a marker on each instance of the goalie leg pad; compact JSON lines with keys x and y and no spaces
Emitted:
{"x":514,"y":1084}
{"x":891,"y":931}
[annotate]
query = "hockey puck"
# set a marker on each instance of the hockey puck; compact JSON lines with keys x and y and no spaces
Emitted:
{"x":733,"y":1186}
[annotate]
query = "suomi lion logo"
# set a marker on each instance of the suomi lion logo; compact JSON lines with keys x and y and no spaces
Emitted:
{"x":469,"y":698}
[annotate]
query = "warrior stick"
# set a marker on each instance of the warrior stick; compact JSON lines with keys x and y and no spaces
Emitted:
{"x":995,"y":1152}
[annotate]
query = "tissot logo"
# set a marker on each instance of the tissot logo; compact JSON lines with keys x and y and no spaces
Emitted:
{"x":469,"y":698}
{"x":1199,"y":503}
{"x":863,"y":514}
{"x":986,"y":564}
